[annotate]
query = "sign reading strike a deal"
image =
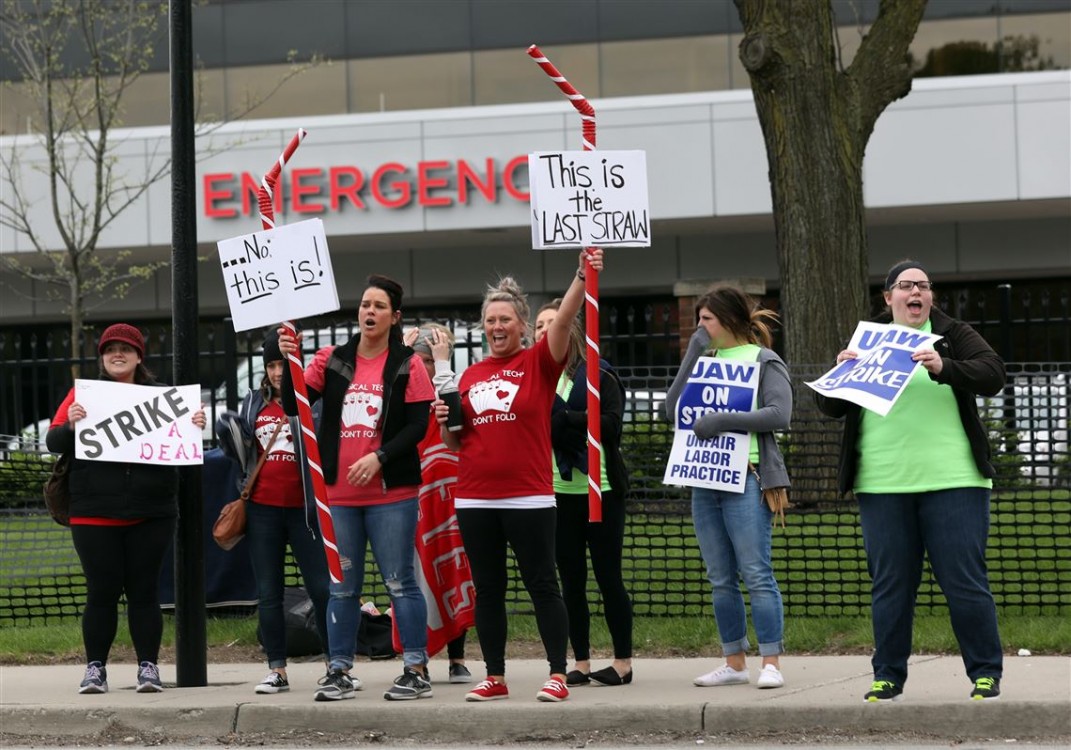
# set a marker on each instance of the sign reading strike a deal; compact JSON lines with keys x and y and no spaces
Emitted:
{"x":589,"y":199}
{"x":719,"y":463}
{"x":138,"y":424}
{"x":278,"y":274}
{"x":877,"y":377}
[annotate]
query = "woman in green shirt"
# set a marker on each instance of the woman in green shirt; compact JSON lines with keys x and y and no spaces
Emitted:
{"x":922,"y":476}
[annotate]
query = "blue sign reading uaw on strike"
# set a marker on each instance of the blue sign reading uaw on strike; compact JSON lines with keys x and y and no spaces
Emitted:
{"x":883,"y":368}
{"x":720,"y":463}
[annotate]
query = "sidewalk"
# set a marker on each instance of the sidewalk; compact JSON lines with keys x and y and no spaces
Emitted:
{"x":823,"y":693}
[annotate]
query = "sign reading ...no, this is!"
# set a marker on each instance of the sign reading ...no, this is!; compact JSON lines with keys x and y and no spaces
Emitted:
{"x":589,"y":199}
{"x":278,"y":274}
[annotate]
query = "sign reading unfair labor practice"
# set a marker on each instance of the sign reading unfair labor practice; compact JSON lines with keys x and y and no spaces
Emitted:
{"x":589,"y":199}
{"x":877,"y":377}
{"x":138,"y":424}
{"x":720,"y":463}
{"x":278,"y":274}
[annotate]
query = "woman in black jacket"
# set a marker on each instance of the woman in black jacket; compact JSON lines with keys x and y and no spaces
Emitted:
{"x":376,"y":397}
{"x":923,"y":478}
{"x":575,"y":536}
{"x":122,"y":524}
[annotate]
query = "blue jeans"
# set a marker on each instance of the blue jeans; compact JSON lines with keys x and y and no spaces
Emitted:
{"x":951,"y":527}
{"x":269,"y":529}
{"x":391,"y":529}
{"x":735,"y":536}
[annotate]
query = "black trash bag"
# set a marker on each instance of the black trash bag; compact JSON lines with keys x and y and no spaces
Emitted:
{"x":300,"y":621}
{"x":302,"y":639}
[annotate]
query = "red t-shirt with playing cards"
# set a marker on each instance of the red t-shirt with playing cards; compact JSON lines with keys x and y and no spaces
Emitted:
{"x":505,"y":438}
{"x":362,"y":424}
{"x":279,"y":480}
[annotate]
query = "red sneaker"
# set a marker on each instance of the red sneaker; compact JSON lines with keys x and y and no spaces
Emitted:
{"x":553,"y":691}
{"x":488,"y":690}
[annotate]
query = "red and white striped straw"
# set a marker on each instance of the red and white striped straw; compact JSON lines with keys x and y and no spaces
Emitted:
{"x":265,"y":198}
{"x":591,"y":299}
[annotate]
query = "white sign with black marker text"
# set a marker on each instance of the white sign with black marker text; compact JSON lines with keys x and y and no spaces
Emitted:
{"x":589,"y":199}
{"x":138,"y":424}
{"x":278,"y":274}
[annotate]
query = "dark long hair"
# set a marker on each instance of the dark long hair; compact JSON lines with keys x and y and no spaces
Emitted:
{"x":737,"y":312}
{"x":394,"y":293}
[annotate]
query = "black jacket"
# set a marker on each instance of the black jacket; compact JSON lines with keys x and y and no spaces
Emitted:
{"x":108,"y":489}
{"x":403,"y":425}
{"x":968,"y":364}
{"x":569,"y":427}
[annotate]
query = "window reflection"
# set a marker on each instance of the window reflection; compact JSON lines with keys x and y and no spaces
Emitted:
{"x":414,"y":82}
{"x":665,"y":66}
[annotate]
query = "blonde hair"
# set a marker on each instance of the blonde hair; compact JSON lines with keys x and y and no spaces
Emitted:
{"x":508,"y":290}
{"x":574,"y":352}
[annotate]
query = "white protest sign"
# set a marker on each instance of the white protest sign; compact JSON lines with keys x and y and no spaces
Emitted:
{"x":278,"y":274}
{"x":589,"y":199}
{"x":878,"y":376}
{"x":720,"y":463}
{"x":138,"y":424}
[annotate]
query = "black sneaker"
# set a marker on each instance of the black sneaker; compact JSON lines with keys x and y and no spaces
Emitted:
{"x":986,"y":689}
{"x":882,"y":691}
{"x":273,"y":683}
{"x":409,"y":686}
{"x":336,"y":685}
{"x":149,"y":678}
{"x":96,"y":679}
{"x":460,"y":674}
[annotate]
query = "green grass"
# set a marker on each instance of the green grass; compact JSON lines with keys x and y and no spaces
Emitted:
{"x":653,"y":637}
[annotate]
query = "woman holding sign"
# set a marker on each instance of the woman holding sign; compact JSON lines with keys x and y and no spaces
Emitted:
{"x":505,"y":493}
{"x":122,"y":524}
{"x":376,"y":398}
{"x":922,"y":476}
{"x":576,"y":536}
{"x":734,"y":530}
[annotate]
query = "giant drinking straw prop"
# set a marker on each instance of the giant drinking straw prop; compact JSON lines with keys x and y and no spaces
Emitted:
{"x":265,"y":199}
{"x":591,"y":300}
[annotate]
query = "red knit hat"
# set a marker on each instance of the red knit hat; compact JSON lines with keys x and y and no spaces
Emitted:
{"x":127,"y":334}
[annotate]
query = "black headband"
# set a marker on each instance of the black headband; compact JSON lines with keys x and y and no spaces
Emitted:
{"x":899,"y":268}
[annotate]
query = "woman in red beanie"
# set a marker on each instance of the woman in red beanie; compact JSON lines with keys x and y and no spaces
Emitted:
{"x":122,"y":524}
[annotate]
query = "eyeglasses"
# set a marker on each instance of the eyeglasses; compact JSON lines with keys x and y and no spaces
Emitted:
{"x":905,"y":286}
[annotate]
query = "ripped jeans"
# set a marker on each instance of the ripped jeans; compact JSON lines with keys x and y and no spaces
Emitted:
{"x":391,"y":530}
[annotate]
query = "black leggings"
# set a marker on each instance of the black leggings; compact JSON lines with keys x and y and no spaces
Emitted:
{"x":486,"y":532}
{"x":118,"y":560}
{"x":605,"y":540}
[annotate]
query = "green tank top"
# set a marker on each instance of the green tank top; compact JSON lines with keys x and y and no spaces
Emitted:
{"x":920,"y":445}
{"x":747,"y":353}
{"x":578,"y":485}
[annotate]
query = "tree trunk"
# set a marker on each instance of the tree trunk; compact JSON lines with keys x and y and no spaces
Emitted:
{"x":816,"y":120}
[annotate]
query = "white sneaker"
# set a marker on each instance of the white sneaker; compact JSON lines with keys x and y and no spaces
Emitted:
{"x":770,"y":677}
{"x":724,"y":675}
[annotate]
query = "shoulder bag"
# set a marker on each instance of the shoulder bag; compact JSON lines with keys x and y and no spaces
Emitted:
{"x":58,"y":491}
{"x":229,"y":528}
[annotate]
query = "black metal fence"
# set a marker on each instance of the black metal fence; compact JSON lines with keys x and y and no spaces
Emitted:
{"x":818,"y":556}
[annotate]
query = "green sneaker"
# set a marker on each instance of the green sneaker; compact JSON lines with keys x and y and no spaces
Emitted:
{"x":986,"y":689}
{"x":882,"y":691}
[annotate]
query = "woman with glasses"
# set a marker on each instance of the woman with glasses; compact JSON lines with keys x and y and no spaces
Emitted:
{"x":922,"y":475}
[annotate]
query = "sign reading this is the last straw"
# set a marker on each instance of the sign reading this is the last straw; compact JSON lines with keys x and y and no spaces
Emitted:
{"x":589,"y":199}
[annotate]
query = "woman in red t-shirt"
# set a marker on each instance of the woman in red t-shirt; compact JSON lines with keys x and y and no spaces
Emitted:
{"x":505,"y":494}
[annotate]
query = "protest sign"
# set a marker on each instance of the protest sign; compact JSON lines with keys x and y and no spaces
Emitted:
{"x":878,"y":376}
{"x":589,"y":199}
{"x":138,"y":424}
{"x":720,"y":463}
{"x":278,"y":274}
